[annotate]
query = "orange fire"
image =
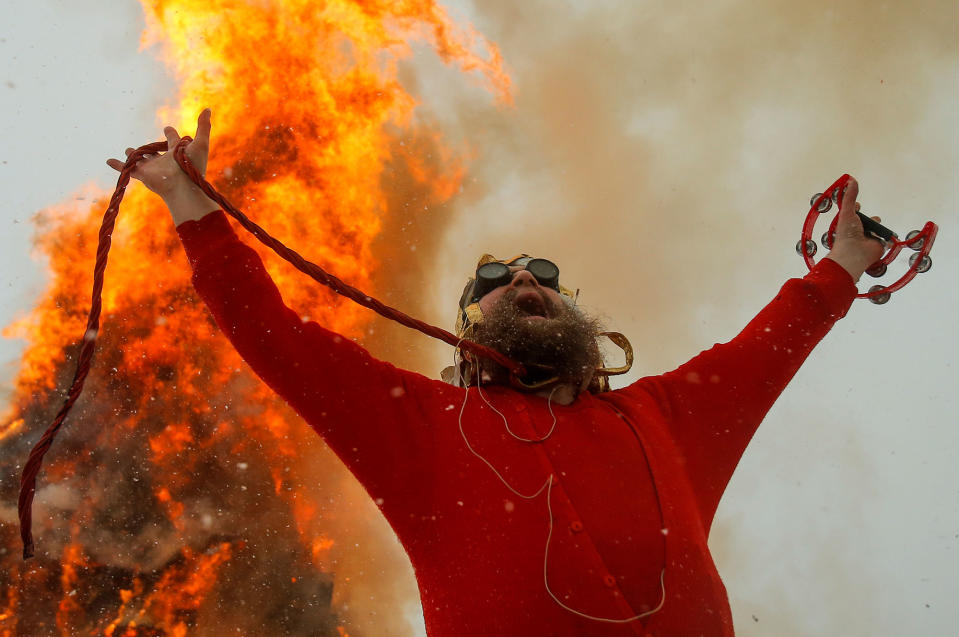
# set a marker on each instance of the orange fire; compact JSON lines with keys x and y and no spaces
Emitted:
{"x":174,"y":483}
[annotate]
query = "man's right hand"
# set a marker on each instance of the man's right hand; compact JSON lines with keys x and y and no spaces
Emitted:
{"x":162,"y":175}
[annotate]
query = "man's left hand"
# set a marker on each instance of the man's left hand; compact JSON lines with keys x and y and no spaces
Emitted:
{"x":852,"y":248}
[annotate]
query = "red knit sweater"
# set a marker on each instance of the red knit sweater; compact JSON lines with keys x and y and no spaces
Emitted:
{"x":637,"y":472}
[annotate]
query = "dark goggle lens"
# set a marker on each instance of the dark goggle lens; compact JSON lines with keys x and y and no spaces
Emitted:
{"x":545,"y":272}
{"x":490,"y":276}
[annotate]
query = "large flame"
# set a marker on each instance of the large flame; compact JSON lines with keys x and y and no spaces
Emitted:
{"x":171,"y":502}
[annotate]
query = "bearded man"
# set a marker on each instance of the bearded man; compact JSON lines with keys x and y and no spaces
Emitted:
{"x":551,"y":506}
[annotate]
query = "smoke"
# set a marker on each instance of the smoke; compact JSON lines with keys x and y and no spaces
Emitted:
{"x":663,"y":154}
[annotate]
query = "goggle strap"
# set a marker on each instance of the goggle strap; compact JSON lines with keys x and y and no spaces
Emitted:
{"x":473,"y":313}
{"x":623,"y":343}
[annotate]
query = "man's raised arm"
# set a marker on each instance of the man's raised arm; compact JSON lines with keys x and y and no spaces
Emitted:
{"x":715,"y":402}
{"x":346,"y":395}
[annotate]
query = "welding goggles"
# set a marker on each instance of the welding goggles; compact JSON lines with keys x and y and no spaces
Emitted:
{"x":494,"y":274}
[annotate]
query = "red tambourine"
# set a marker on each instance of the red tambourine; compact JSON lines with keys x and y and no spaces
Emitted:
{"x":918,"y":240}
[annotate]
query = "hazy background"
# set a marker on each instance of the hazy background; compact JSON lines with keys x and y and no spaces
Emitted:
{"x":663,"y":154}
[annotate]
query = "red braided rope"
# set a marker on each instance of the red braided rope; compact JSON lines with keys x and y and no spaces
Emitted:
{"x":32,"y":467}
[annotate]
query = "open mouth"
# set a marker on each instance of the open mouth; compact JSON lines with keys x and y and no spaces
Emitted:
{"x":531,"y":304}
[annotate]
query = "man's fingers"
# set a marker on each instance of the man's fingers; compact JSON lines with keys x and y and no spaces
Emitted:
{"x":849,"y":196}
{"x":118,"y":165}
{"x":203,"y":127}
{"x":172,"y":137}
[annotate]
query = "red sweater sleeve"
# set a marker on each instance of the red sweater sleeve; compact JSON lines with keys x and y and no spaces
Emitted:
{"x":360,"y":405}
{"x":714,"y":403}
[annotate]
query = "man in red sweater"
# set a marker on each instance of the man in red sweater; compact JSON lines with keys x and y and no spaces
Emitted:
{"x":561,"y":511}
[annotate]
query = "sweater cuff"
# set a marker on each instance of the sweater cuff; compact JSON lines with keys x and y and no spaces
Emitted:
{"x":836,"y":286}
{"x":205,"y":236}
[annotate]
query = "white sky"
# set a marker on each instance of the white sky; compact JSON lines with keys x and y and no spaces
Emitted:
{"x":843,"y":518}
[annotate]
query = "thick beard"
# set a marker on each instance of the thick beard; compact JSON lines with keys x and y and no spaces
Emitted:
{"x":565,"y":345}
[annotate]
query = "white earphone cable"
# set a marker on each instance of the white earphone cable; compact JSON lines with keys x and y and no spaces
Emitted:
{"x":548,"y":486}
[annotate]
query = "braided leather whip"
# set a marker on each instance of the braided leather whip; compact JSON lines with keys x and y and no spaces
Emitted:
{"x":32,"y":467}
